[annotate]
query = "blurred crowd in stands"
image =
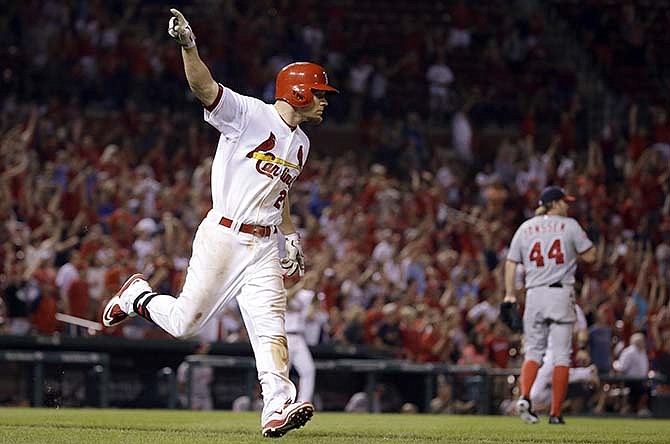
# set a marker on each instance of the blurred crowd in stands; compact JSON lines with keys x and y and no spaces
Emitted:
{"x":105,"y":171}
{"x":390,"y":57}
{"x":627,"y":40}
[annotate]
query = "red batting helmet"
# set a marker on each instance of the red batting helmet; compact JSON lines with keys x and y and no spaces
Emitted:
{"x":296,"y":81}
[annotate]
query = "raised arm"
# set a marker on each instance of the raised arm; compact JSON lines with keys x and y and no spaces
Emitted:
{"x":199,"y":78}
{"x":642,"y":281}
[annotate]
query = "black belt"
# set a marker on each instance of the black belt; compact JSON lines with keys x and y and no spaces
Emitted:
{"x":556,"y":285}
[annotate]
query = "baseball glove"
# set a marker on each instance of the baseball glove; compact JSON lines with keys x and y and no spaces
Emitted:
{"x":509,"y":314}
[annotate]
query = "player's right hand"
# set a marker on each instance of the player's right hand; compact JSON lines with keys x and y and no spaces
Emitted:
{"x":180,"y":30}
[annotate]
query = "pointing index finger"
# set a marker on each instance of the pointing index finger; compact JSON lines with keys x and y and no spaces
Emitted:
{"x":179,"y":15}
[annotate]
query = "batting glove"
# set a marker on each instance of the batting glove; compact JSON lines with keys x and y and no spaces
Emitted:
{"x":180,"y":30}
{"x":295,"y":258}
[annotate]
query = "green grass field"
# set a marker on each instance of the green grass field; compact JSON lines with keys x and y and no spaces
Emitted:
{"x":75,"y":426}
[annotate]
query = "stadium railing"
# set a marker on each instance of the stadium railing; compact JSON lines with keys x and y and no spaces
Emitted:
{"x":478,"y":378}
{"x":144,"y":373}
{"x":97,"y":362}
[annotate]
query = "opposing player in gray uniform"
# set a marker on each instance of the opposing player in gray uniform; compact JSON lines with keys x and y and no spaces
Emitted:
{"x":548,"y":245}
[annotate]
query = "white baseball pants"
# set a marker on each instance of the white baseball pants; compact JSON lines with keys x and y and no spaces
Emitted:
{"x":224,"y":265}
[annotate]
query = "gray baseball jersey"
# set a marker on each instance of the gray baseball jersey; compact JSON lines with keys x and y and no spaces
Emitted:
{"x":548,"y":247}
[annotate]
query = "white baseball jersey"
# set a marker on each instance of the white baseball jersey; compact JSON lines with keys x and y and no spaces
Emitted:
{"x":257,"y":159}
{"x":548,"y":247}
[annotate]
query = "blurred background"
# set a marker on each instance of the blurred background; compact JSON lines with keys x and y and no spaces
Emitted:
{"x":452,"y":117}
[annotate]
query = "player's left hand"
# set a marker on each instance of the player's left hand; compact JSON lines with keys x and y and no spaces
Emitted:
{"x":510,"y":316}
{"x":295,"y":258}
{"x":180,"y":30}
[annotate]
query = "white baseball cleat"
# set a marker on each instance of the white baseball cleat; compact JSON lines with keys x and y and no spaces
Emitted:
{"x":526,"y":412}
{"x":291,"y":416}
{"x":113,"y":314}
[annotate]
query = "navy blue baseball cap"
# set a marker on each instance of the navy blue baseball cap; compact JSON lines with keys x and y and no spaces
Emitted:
{"x":552,"y":194}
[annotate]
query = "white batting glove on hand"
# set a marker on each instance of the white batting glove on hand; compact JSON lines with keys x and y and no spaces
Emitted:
{"x":295,"y":258}
{"x":180,"y":30}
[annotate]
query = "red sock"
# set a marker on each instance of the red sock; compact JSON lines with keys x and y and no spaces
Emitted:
{"x":528,"y":374}
{"x":559,"y":387}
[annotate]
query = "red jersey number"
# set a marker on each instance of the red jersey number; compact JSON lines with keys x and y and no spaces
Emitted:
{"x":536,"y":255}
{"x":554,"y":253}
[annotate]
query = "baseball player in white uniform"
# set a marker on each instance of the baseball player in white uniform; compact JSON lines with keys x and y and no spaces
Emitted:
{"x":548,"y":245}
{"x":300,"y":298}
{"x":261,"y":152}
